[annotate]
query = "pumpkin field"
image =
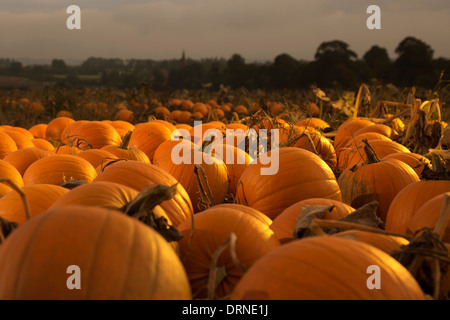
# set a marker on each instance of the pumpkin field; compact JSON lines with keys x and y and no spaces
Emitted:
{"x":95,"y":203}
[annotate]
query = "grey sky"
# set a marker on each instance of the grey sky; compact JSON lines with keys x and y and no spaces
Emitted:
{"x":256,"y":29}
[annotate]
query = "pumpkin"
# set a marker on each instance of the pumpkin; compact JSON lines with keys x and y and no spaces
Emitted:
{"x":313,"y":122}
{"x":23,"y":158}
{"x":375,"y":180}
{"x":96,"y":157}
{"x":122,"y":151}
{"x":39,"y":197}
{"x":416,"y":161}
{"x":406,"y":203}
{"x":427,"y":216}
{"x":283,"y":225}
{"x":319,"y":144}
{"x":59,"y":169}
{"x":38,"y":130}
{"x":95,"y":134}
{"x":210,"y":229}
{"x":22,"y":141}
{"x":43,"y":144}
{"x":122,"y":127}
{"x":169,"y":145}
{"x":248,"y":210}
{"x":297,"y":174}
{"x":8,"y":171}
{"x":182,"y":168}
{"x":119,"y":258}
{"x":346,"y":130}
{"x":326,"y":268}
{"x":148,"y":136}
{"x":139,"y":175}
{"x":384,"y":242}
{"x":56,"y":127}
{"x":380,"y":128}
{"x":355,"y":154}
{"x":7,"y":145}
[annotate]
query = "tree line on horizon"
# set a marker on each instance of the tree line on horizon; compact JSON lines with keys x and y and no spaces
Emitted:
{"x":334,"y":65}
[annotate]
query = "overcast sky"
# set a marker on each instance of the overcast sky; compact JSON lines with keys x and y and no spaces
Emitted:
{"x":256,"y":29}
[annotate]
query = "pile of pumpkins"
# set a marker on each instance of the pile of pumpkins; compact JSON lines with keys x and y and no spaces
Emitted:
{"x":237,"y":240}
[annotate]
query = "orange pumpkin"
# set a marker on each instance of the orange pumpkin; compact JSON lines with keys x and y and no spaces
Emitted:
{"x":7,"y":145}
{"x":410,"y":199}
{"x":56,"y":127}
{"x":375,"y":180}
{"x":145,"y":266}
{"x":210,"y":229}
{"x":326,"y":268}
{"x":122,"y":151}
{"x":416,"y":161}
{"x":296,"y":175}
{"x":8,"y":171}
{"x":59,"y":169}
{"x":148,"y":136}
{"x":347,"y":129}
{"x":38,"y":130}
{"x":22,"y":141}
{"x":95,"y":135}
{"x":96,"y":157}
{"x":39,"y":196}
{"x":23,"y":158}
{"x":283,"y":225}
{"x":139,"y":175}
{"x":386,"y":243}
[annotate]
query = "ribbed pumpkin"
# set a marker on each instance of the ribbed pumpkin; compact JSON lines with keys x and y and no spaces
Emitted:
{"x":353,"y":153}
{"x":410,"y":199}
{"x":384,"y":242}
{"x":95,"y":135}
{"x":414,"y":160}
{"x":380,"y":128}
{"x":43,"y":144}
{"x":235,"y":159}
{"x":210,"y":229}
{"x":119,"y":258}
{"x":96,"y":157}
{"x":319,"y":144}
{"x":168,"y":145}
{"x":39,"y":196}
{"x":122,"y":151}
{"x":283,"y":225}
{"x":326,"y":268}
{"x":56,"y":127}
{"x":427,"y":216}
{"x":148,"y":136}
{"x":7,"y":145}
{"x":138,"y":175}
{"x":300,"y":175}
{"x":215,"y":171}
{"x":59,"y":169}
{"x":122,"y":127}
{"x":23,"y":158}
{"x":313,"y":122}
{"x":21,"y":140}
{"x":375,"y":180}
{"x":346,"y":130}
{"x":8,"y":171}
{"x":248,"y":210}
{"x":38,"y":130}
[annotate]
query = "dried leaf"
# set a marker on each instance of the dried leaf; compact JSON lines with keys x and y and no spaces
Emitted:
{"x":308,"y":214}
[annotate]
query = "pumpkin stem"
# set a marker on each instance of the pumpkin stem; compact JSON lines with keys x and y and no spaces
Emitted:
{"x":126,"y":140}
{"x":142,"y":207}
{"x":207,"y":199}
{"x":23,"y":196}
{"x":214,"y":271}
{"x":370,"y":153}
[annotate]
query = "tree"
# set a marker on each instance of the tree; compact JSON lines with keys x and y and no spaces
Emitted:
{"x":378,"y":62}
{"x":334,"y":64}
{"x":284,"y":72}
{"x":414,"y":65}
{"x":58,"y":66}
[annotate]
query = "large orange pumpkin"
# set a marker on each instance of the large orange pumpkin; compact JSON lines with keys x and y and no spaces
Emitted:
{"x":7,"y":145}
{"x":116,"y":257}
{"x":8,"y":171}
{"x":139,"y":175}
{"x":410,"y":199}
{"x":56,"y":127}
{"x":298,"y":175}
{"x":39,"y":196}
{"x":327,"y":268}
{"x":59,"y":169}
{"x":122,"y":151}
{"x":283,"y":225}
{"x":210,"y":229}
{"x":375,"y":180}
{"x":23,"y":158}
{"x":95,"y":134}
{"x":148,"y":136}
